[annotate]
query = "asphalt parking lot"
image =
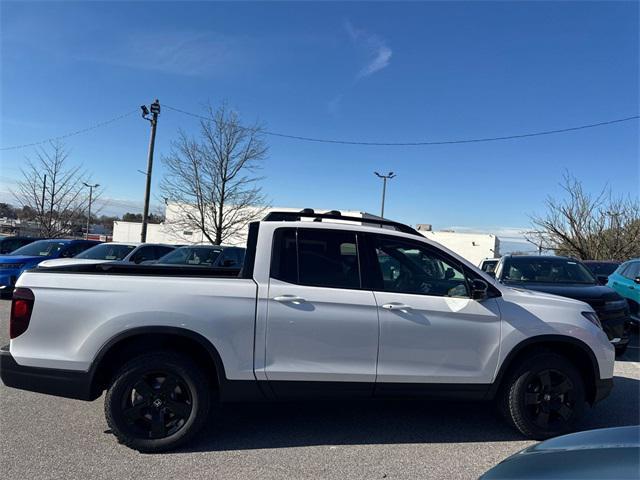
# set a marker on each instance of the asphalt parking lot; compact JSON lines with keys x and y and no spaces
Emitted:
{"x":48,"y":437}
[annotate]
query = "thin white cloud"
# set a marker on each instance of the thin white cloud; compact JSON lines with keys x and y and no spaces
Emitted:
{"x":178,"y":52}
{"x":174,"y":51}
{"x":377,"y":54}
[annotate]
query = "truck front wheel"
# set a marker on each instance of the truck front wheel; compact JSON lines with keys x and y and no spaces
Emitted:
{"x":544,"y":396}
{"x":157,"y":402}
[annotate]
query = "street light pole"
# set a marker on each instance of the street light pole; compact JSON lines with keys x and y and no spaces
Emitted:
{"x":384,"y":178}
{"x":91,"y":187}
{"x":155,"y":111}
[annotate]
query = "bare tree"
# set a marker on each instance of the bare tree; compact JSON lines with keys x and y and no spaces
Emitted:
{"x":212,"y":181}
{"x":53,"y":192}
{"x":588,"y":226}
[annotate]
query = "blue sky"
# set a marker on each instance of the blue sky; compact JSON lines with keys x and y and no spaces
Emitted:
{"x":365,"y":71}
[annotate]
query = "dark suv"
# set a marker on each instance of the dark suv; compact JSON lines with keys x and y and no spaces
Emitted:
{"x":569,"y":277}
{"x":9,"y":244}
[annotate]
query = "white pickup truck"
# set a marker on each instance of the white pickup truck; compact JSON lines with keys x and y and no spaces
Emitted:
{"x":337,"y":306}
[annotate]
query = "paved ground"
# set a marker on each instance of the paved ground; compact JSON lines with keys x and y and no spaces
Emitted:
{"x":48,"y":437}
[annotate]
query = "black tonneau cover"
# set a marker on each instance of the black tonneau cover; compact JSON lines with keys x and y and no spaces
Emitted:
{"x":117,"y":268}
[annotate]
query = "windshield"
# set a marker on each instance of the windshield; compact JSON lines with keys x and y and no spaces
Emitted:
{"x":603,"y":268}
{"x":106,"y":251}
{"x":547,"y":270}
{"x":205,"y":256}
{"x":42,"y":248}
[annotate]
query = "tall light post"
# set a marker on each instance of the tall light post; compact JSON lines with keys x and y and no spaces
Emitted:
{"x":384,"y":178}
{"x":90,"y":187}
{"x":155,"y":111}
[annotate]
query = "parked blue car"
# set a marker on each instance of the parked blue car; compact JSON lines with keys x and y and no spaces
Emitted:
{"x":626,"y":281}
{"x":24,"y":258}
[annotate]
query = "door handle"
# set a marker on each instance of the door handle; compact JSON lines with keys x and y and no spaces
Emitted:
{"x":289,"y":298}
{"x":397,"y":306}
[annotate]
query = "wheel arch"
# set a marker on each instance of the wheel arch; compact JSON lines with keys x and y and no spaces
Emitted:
{"x":574,"y":349}
{"x":123,"y":346}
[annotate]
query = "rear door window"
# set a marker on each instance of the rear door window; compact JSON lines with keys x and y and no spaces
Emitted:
{"x":316,"y":257}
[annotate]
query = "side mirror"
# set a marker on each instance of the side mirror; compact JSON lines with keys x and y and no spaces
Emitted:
{"x":602,"y":279}
{"x":637,"y":280}
{"x":228,"y":263}
{"x":449,"y":273}
{"x":479,"y":289}
{"x":492,"y":273}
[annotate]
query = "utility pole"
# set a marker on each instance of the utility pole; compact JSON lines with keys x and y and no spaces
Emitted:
{"x":155,"y":111}
{"x":44,"y":188}
{"x":384,"y":178}
{"x":90,"y":187}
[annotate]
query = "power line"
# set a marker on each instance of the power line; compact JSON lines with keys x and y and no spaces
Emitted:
{"x":335,"y":141}
{"x":70,"y":134}
{"x":419,"y":143}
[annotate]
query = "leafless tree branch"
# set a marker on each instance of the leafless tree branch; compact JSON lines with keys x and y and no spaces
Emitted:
{"x":60,"y":203}
{"x":587,"y":226}
{"x":213,"y":180}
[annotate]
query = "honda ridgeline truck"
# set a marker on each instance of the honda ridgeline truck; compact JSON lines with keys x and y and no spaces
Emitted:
{"x":337,"y":306}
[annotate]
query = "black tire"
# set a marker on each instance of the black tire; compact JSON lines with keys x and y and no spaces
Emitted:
{"x":157,"y":402}
{"x":543,"y":396}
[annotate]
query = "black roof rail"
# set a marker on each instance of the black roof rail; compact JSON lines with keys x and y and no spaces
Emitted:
{"x":336,"y":215}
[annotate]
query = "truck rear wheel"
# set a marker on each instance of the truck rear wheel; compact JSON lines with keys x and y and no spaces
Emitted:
{"x":544,"y":396}
{"x":157,"y":402}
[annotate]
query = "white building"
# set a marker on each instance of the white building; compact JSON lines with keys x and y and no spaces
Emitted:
{"x":172,"y":230}
{"x":474,"y":247}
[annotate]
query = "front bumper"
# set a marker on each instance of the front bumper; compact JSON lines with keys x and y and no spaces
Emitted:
{"x":61,"y":383}
{"x":616,"y":326}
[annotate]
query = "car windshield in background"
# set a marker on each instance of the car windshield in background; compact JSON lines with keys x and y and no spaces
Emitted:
{"x":203,"y":256}
{"x":548,"y":270}
{"x":43,"y":248}
{"x":107,"y":252}
{"x":603,"y":268}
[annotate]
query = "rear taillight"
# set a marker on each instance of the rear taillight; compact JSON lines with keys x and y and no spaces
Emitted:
{"x":21,"y":307}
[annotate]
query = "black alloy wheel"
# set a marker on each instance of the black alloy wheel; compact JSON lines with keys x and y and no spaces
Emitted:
{"x":158,"y":405}
{"x":549,"y":399}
